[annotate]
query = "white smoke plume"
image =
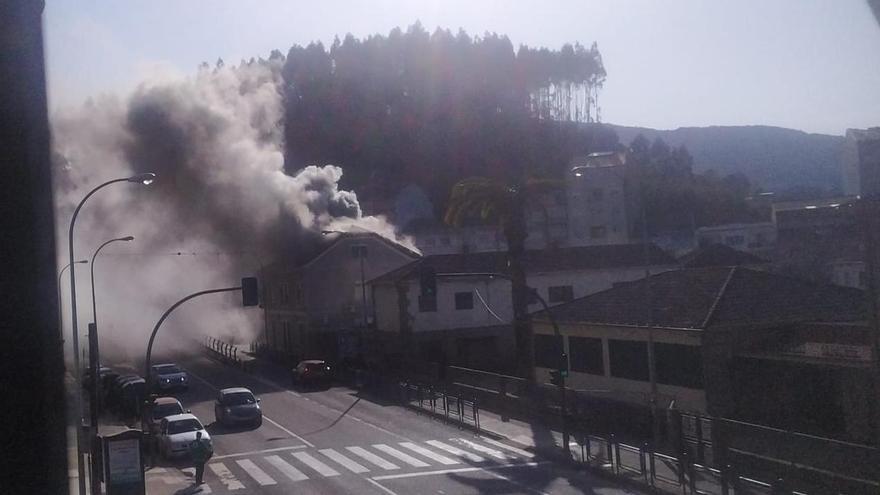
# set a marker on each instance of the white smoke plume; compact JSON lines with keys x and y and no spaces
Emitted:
{"x":220,"y":208}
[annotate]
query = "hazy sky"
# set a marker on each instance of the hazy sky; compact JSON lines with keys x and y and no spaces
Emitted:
{"x":806,"y":64}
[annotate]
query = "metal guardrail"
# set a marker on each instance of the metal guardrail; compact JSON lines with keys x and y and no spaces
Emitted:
{"x":453,"y":408}
{"x":225,"y":352}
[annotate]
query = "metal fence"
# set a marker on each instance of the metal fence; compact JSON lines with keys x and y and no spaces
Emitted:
{"x":452,"y":408}
{"x":226,"y":352}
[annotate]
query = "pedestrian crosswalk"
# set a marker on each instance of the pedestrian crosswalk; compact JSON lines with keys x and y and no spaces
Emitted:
{"x":230,"y":474}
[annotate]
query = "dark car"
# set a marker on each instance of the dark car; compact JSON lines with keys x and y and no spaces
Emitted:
{"x":312,"y":372}
{"x":168,"y":377}
{"x":237,"y":405}
{"x":114,"y":390}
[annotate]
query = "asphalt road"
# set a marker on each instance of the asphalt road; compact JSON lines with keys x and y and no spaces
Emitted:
{"x":334,"y":442}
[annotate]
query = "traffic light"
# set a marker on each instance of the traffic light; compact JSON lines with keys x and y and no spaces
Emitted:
{"x":556,"y":377}
{"x":428,"y":281}
{"x":563,"y":365}
{"x":250,"y":295}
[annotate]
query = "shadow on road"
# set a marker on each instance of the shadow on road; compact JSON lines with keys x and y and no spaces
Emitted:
{"x":337,"y":420}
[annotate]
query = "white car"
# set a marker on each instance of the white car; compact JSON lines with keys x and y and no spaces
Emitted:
{"x":177,"y":432}
{"x":169,"y":377}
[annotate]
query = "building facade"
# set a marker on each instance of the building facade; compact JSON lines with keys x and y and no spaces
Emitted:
{"x":757,"y":238}
{"x":861,"y":163}
{"x":722,"y":337}
{"x":314,"y":309}
{"x":472,"y":303}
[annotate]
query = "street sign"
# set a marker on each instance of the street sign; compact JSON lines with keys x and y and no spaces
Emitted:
{"x":123,"y":463}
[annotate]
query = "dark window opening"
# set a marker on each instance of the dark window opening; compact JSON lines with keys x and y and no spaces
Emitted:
{"x":427,"y":303}
{"x":628,"y":359}
{"x":679,"y":365}
{"x":464,"y":300}
{"x":585,"y":355}
{"x":561,"y":293}
{"x":548,"y":351}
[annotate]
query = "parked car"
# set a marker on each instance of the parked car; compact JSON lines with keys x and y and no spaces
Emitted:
{"x":87,"y":376}
{"x":236,"y":406}
{"x":163,"y":407}
{"x":132,"y":395}
{"x":114,"y":391}
{"x":311,"y":372}
{"x":169,"y":376}
{"x":177,"y":432}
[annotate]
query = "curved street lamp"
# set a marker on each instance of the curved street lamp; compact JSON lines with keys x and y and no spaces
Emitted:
{"x":146,"y":179}
{"x":94,"y":356}
{"x":60,"y":317}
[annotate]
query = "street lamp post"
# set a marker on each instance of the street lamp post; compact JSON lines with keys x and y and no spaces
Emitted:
{"x":94,"y":366}
{"x":146,"y":178}
{"x":61,"y":274}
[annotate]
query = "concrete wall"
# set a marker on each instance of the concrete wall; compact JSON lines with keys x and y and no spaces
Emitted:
{"x":633,"y":391}
{"x":495,"y":292}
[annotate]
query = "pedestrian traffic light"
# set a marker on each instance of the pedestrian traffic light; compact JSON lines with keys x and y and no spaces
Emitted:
{"x":250,"y":295}
{"x":428,"y":281}
{"x":556,"y":377}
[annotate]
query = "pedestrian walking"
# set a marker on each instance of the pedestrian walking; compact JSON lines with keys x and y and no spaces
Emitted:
{"x":200,"y":450}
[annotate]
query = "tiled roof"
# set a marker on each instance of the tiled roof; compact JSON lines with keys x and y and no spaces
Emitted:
{"x":719,"y":255}
{"x":702,"y":297}
{"x":537,"y":261}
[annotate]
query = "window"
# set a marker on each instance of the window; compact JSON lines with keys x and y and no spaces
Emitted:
{"x":358,"y":251}
{"x":679,"y":365}
{"x":464,"y":300}
{"x":628,"y":359}
{"x":586,"y":355}
{"x":560,"y":293}
{"x":548,"y":350}
{"x":597,"y":232}
{"x":734,"y":240}
{"x":427,"y":303}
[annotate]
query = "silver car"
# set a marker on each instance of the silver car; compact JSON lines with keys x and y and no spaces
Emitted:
{"x":236,"y":406}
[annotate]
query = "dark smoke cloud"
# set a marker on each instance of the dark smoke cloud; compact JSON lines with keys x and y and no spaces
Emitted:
{"x":214,"y":141}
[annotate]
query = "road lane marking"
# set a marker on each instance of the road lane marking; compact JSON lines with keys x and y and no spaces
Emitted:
{"x":456,"y":470}
{"x":286,"y":469}
{"x":255,"y":452}
{"x":285,"y":430}
{"x":412,"y":461}
{"x":372,"y":458}
{"x":481,"y":448}
{"x":379,"y":486}
{"x":255,"y":472}
{"x":315,"y":464}
{"x":511,"y":448}
{"x":456,"y":451}
{"x":344,"y":461}
{"x":418,"y":449}
{"x":226,"y":477}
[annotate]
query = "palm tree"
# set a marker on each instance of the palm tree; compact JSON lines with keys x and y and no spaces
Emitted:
{"x":504,"y":203}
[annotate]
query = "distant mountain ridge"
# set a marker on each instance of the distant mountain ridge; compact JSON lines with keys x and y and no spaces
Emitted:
{"x":775,"y":158}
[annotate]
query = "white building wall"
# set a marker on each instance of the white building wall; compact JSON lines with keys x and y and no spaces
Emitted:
{"x":495,"y":292}
{"x":749,"y":237}
{"x":597,"y":206}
